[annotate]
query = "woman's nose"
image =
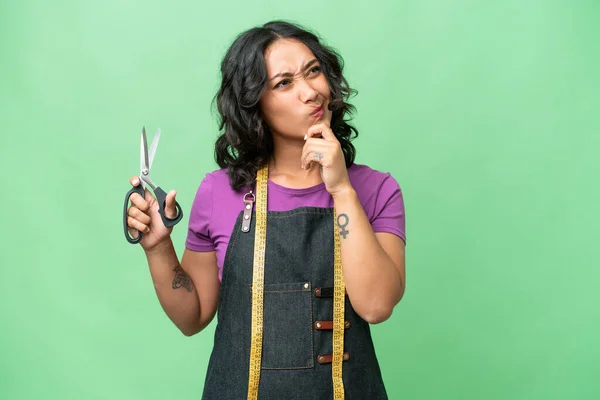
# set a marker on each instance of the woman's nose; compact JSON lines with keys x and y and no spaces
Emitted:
{"x":306,"y":91}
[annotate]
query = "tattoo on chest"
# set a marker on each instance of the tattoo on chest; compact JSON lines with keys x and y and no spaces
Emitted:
{"x":343,"y":225}
{"x":182,"y":280}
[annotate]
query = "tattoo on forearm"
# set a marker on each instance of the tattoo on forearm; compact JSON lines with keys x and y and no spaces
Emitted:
{"x":182,"y":280}
{"x":343,"y":225}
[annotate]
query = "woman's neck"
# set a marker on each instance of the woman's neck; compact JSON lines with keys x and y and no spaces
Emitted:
{"x":285,"y":167}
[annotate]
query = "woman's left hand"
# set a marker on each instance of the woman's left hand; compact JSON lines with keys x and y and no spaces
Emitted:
{"x":326,"y":151}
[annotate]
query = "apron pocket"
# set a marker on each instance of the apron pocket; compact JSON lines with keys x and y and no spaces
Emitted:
{"x":287,"y":326}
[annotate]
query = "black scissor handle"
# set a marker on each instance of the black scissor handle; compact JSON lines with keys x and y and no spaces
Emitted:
{"x":139,"y":190}
{"x":161,"y":197}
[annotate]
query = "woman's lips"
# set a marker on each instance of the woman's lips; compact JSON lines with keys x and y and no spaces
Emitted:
{"x":318,"y":113}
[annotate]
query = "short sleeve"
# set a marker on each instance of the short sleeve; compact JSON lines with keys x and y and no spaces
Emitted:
{"x":389,"y":213}
{"x":199,"y":227}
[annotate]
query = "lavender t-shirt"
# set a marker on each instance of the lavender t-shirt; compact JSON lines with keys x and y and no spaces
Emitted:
{"x":217,"y":206}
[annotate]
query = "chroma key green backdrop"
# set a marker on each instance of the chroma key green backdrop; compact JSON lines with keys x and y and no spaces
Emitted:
{"x":487,"y":114}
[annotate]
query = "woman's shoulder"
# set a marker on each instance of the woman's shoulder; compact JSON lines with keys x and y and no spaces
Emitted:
{"x":375,"y":189}
{"x":381,"y":198}
{"x":365,"y":177}
{"x":215,"y":193}
{"x":218,"y":181}
{"x":218,"y":177}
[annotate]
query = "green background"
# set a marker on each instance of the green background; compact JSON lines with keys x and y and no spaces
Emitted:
{"x":486,"y":113}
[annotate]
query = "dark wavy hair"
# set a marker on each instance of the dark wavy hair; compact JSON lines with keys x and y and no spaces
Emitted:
{"x":246,"y":143}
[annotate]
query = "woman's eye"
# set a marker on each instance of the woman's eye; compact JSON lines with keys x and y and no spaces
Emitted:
{"x":314,"y":69}
{"x":282,"y":83}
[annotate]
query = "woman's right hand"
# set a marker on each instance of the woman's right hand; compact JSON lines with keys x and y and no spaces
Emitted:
{"x":143,"y":216}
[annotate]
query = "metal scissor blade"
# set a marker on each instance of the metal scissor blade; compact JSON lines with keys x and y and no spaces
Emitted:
{"x":144,"y":152}
{"x":143,"y":158}
{"x":153,"y":146}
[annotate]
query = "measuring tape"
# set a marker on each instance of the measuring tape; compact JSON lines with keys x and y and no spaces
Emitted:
{"x":258,"y":285}
{"x":339,"y":295}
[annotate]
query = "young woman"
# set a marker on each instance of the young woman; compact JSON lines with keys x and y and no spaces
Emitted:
{"x":282,"y":104}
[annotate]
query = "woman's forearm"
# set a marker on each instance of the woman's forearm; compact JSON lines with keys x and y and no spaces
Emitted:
{"x":373,"y":283}
{"x":175,"y":290}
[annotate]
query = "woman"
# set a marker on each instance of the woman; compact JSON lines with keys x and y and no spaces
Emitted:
{"x":282,"y":103}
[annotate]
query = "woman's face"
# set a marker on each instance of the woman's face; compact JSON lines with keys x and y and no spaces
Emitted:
{"x":297,"y":94}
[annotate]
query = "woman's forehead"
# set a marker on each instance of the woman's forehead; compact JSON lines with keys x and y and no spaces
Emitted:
{"x":287,"y":55}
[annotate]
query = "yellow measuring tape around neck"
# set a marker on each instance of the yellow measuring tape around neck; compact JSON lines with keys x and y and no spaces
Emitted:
{"x":339,"y":297}
{"x":258,"y":280}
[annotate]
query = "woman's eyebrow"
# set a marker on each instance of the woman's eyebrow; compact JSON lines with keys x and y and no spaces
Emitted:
{"x":306,"y":66}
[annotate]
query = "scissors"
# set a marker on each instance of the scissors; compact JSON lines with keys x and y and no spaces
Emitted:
{"x":146,"y":157}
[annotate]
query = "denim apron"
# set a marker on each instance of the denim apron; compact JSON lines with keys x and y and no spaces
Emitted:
{"x":298,"y":316}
